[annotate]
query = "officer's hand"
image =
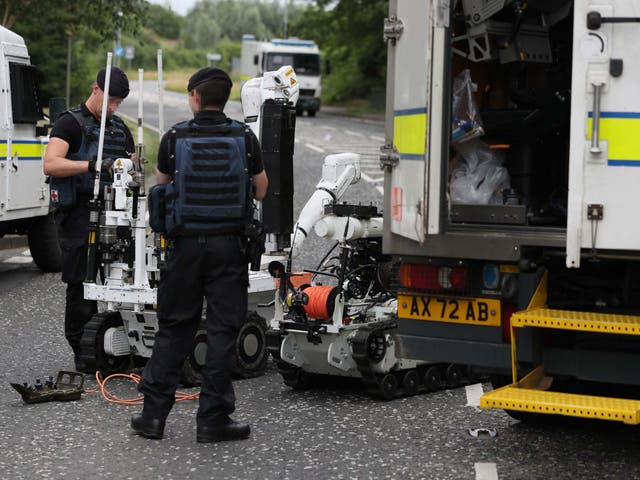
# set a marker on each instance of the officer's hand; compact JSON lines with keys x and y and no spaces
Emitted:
{"x":106,"y":168}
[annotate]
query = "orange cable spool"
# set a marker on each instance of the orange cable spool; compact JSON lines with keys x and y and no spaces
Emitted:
{"x":321,"y":301}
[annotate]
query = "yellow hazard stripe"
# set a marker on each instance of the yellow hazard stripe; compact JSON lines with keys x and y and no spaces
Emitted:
{"x":24,"y":150}
{"x":621,"y":132}
{"x":410,"y":131}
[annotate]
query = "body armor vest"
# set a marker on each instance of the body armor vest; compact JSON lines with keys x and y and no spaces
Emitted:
{"x":211,"y":187}
{"x":64,"y":190}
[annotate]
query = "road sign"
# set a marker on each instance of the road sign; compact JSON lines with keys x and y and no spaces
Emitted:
{"x":129,"y":52}
{"x":119,"y":51}
{"x":214,"y":57}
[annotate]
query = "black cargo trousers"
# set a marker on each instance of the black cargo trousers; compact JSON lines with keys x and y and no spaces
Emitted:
{"x":73,"y":226}
{"x":210,"y":266}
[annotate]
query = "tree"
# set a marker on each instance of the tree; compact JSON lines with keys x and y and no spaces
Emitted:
{"x":48,"y":26}
{"x":211,"y":21}
{"x":350,"y":36}
{"x":163,"y":22}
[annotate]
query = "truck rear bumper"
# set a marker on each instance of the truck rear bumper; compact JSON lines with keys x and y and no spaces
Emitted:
{"x":484,"y":355}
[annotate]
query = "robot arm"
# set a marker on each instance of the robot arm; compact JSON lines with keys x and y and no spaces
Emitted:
{"x":338,"y":172}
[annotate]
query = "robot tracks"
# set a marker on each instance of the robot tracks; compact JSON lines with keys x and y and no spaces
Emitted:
{"x":369,"y":347}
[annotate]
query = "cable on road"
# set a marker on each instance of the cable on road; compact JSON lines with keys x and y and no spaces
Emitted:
{"x":111,"y":398}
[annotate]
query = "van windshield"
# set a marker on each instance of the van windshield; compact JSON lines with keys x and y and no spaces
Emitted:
{"x":302,"y":63}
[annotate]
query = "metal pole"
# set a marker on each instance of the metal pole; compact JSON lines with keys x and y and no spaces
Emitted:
{"x":286,"y":14}
{"x":68,"y":86}
{"x":160,"y":95}
{"x":103,"y":122}
{"x":118,"y":39}
{"x":140,"y":80}
{"x":139,"y":174}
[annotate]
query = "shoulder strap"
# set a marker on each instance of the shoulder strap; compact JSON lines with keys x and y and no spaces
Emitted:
{"x":83,"y":120}
{"x":192,"y":129}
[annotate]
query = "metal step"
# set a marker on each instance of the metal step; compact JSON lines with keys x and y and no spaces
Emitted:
{"x":513,"y":397}
{"x":581,"y":321}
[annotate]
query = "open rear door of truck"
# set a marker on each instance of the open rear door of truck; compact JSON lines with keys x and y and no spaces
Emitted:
{"x":410,"y":75}
{"x":604,"y":171}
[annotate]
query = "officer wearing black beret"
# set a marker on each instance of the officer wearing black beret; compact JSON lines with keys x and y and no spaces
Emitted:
{"x":70,"y":161}
{"x":207,"y":258}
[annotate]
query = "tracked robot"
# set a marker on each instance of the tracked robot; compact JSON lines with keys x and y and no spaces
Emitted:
{"x":340,"y":320}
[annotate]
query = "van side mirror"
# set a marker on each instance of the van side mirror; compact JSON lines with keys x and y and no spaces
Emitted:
{"x":255,"y":59}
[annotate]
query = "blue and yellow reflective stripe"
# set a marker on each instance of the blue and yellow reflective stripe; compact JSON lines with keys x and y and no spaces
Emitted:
{"x":23,"y":149}
{"x":410,"y":133}
{"x":620,"y":129}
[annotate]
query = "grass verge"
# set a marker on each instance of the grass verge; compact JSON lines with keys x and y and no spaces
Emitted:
{"x":177,"y":81}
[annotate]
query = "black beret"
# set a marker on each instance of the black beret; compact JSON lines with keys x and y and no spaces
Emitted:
{"x":118,"y":82}
{"x":206,"y":74}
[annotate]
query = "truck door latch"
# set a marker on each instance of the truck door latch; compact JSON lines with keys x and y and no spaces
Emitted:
{"x":389,"y":157}
{"x":393,"y":27}
{"x":595,"y":20}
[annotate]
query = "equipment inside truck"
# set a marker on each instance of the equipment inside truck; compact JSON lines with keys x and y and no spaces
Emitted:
{"x":512,"y":107}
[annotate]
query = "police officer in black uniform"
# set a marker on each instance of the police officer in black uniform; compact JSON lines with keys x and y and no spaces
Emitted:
{"x":70,"y":161}
{"x":208,"y":259}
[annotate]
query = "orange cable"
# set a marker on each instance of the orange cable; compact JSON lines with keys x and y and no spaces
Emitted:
{"x":317,"y":305}
{"x":111,"y":398}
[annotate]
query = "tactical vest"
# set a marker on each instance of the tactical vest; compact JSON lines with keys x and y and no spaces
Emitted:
{"x":211,"y":187}
{"x":64,"y":190}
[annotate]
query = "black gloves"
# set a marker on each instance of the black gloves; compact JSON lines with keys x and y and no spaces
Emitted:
{"x":105,"y":168}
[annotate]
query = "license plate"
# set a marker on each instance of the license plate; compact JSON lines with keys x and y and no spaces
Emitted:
{"x":470,"y":311}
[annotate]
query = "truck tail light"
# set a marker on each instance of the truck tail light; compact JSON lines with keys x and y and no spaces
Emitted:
{"x":508,"y":309}
{"x":432,"y":277}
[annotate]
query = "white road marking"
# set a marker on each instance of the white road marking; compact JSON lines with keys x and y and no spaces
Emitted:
{"x":486,"y":471}
{"x":376,"y":138}
{"x":313,"y":147}
{"x":380,"y":189}
{"x":367,"y":178}
{"x":474,"y":392}
{"x":352,"y":133}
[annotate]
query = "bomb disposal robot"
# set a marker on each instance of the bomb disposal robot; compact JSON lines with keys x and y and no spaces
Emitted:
{"x":344,"y":322}
{"x":130,"y":257}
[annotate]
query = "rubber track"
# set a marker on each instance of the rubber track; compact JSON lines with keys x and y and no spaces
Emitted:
{"x":88,"y":341}
{"x":429,"y":378}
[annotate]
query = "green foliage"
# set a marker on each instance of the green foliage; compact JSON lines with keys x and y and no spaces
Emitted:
{"x":212,"y":21}
{"x":163,"y":22}
{"x":350,"y":37}
{"x":46,"y":27}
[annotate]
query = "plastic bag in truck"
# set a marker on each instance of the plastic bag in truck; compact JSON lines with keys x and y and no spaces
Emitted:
{"x":477,"y":175}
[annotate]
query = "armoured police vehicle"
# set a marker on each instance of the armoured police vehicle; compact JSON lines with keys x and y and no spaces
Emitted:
{"x":24,"y":195}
